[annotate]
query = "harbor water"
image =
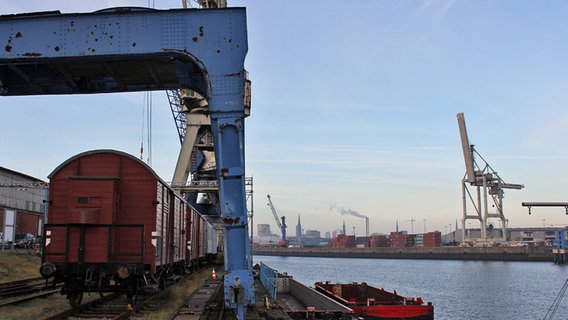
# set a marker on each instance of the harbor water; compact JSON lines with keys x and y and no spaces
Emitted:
{"x":457,"y":289}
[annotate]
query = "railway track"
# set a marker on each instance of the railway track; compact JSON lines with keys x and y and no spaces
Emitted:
{"x":8,"y":288}
{"x":205,"y":303}
{"x":15,"y":292}
{"x":113,"y":306}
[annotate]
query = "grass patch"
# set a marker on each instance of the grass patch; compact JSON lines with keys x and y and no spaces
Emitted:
{"x":18,"y":266}
{"x":35,"y":309}
{"x":172,"y":299}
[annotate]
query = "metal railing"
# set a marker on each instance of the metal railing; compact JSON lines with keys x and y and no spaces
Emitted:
{"x":269,"y":279}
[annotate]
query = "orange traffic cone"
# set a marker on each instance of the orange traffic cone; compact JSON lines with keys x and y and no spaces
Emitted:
{"x":213,"y":275}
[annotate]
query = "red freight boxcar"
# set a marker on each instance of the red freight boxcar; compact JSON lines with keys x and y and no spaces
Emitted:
{"x":196,"y":243}
{"x":114,"y":225}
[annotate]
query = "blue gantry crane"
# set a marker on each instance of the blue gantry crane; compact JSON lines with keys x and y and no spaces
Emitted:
{"x":137,"y":49}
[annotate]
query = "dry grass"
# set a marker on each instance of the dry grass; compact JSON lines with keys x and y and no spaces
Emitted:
{"x":18,"y":266}
{"x":35,"y":309}
{"x":171,"y":300}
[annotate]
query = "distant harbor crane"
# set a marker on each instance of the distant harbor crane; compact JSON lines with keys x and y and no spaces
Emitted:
{"x":482,"y":177}
{"x":281,"y":225}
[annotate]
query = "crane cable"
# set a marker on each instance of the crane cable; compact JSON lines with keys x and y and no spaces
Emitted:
{"x":143,"y":127}
{"x":149,"y":119}
{"x":147,"y":115}
{"x":556,"y":303}
{"x":146,"y":127}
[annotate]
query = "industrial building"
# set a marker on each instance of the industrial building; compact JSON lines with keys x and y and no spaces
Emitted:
{"x":263,"y":230}
{"x":22,"y":204}
{"x":527,"y":235}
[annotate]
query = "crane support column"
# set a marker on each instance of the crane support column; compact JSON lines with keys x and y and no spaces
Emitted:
{"x":228,"y":133}
{"x":183,"y":166}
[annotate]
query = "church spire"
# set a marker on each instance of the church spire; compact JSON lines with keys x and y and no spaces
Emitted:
{"x":299,"y":232}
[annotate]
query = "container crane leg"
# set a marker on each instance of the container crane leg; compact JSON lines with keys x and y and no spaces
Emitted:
{"x":228,"y":134}
{"x":183,"y":165}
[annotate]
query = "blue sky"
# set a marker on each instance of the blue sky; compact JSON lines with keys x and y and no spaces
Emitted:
{"x":354,"y":107}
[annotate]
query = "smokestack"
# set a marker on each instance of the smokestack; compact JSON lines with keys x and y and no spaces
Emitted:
{"x":366,"y":226}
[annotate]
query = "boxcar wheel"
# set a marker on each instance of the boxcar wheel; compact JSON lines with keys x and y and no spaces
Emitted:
{"x":101,"y":287}
{"x":162,"y":282}
{"x":75,"y":298}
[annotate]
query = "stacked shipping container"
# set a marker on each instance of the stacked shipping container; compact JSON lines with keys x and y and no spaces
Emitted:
{"x":393,"y":240}
{"x":433,"y":239}
{"x":342,"y":241}
{"x":378,"y":241}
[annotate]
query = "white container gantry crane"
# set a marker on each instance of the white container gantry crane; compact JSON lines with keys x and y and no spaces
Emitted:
{"x":483,"y":178}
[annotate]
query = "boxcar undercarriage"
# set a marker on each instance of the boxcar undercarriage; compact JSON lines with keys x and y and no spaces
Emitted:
{"x":122,"y":271}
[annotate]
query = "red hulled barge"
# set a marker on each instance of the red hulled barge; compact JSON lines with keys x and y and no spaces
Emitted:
{"x":369,"y":302}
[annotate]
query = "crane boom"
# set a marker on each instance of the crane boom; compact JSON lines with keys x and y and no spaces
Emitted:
{"x":281,"y":225}
{"x":466,"y":147}
{"x":271,"y":205}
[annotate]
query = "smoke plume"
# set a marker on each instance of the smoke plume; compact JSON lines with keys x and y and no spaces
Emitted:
{"x":343,"y":211}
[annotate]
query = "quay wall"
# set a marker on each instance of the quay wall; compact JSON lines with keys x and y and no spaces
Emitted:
{"x":535,"y":254}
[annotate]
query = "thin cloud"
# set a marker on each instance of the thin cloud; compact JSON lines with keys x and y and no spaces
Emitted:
{"x":548,"y":134}
{"x":439,"y":8}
